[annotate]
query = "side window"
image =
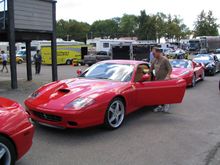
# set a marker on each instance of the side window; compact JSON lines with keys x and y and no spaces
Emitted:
{"x":142,"y":69}
{"x":105,"y":45}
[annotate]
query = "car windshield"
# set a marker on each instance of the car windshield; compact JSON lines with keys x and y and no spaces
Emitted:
{"x":110,"y":71}
{"x":180,"y":64}
{"x":21,"y":52}
{"x":204,"y":57}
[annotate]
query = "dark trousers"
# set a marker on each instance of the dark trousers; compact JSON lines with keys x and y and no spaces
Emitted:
{"x":37,"y":67}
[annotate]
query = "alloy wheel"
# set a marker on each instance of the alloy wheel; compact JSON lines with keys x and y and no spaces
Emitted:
{"x":5,"y":155}
{"x":115,"y":114}
{"x":194,"y":81}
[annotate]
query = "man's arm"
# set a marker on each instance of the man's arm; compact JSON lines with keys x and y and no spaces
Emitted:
{"x":169,"y":68}
{"x":151,"y":67}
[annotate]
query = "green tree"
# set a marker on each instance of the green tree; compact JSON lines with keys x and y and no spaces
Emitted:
{"x":128,"y":25}
{"x":105,"y":28}
{"x":146,"y":27}
{"x":72,"y":30}
{"x":175,"y":28}
{"x":206,"y":25}
{"x":160,"y":25}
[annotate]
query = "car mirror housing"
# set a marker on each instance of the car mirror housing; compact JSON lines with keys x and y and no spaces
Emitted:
{"x":79,"y":72}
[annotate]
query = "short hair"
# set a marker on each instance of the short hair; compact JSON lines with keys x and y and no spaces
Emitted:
{"x":158,"y":50}
{"x":2,"y":51}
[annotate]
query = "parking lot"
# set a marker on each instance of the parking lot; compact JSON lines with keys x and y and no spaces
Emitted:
{"x":188,"y":135}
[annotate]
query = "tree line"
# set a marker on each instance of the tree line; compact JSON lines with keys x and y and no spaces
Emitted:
{"x":143,"y":26}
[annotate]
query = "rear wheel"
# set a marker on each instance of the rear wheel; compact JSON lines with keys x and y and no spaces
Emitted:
{"x":203,"y":75}
{"x":68,"y":62}
{"x":7,"y":152}
{"x":115,"y":114}
{"x":20,"y":61}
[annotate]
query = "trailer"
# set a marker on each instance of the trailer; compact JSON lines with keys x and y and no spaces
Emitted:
{"x":209,"y":43}
{"x":122,"y":51}
{"x":98,"y":45}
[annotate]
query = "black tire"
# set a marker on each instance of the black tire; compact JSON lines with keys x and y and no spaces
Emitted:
{"x":20,"y":61}
{"x":68,"y":62}
{"x":11,"y":149}
{"x":193,"y":81}
{"x":203,"y":76}
{"x":107,"y":122}
{"x":213,"y":72}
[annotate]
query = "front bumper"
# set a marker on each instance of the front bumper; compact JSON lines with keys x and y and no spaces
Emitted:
{"x":91,"y":116}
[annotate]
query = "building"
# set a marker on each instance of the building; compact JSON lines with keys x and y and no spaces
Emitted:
{"x":24,"y":21}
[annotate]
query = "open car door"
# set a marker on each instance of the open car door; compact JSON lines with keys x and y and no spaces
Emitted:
{"x":151,"y":93}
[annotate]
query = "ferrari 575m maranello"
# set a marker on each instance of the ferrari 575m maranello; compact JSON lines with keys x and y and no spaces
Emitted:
{"x":103,"y":94}
{"x":16,"y":132}
{"x":188,"y":70}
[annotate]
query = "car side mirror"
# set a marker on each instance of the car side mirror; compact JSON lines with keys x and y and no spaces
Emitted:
{"x":79,"y":72}
{"x":145,"y":77}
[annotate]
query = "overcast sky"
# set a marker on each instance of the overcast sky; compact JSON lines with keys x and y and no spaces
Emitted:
{"x":91,"y":10}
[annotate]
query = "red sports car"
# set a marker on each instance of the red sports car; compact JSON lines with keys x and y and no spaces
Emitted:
{"x":188,"y":70}
{"x":16,"y":132}
{"x":103,"y":94}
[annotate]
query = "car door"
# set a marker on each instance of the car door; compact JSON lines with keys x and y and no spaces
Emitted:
{"x":160,"y":92}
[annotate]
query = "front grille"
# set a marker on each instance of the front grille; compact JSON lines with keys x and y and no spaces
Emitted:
{"x":47,"y":117}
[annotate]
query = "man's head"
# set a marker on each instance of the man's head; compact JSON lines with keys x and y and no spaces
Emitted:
{"x":2,"y":52}
{"x":38,"y":51}
{"x":157,"y":53}
{"x":153,"y":49}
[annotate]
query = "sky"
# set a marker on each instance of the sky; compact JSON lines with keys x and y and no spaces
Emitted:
{"x":92,"y":10}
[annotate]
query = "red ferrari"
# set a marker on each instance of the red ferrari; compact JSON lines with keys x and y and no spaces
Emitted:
{"x":188,"y":70}
{"x":16,"y":132}
{"x":103,"y":94}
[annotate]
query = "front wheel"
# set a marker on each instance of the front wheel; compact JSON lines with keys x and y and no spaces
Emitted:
{"x":7,"y":152}
{"x":193,"y":81}
{"x":115,"y":114}
{"x":203,"y":76}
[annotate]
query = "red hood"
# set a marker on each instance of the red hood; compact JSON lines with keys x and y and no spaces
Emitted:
{"x":176,"y":72}
{"x":59,"y":94}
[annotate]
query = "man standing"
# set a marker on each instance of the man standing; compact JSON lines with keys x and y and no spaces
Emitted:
{"x":38,"y":61}
{"x":163,"y":70}
{"x":4,"y":61}
{"x":152,"y":54}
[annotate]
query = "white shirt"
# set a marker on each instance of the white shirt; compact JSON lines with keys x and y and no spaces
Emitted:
{"x":4,"y":57}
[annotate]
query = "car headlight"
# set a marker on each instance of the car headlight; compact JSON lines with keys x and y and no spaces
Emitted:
{"x":80,"y":103}
{"x":184,"y":73}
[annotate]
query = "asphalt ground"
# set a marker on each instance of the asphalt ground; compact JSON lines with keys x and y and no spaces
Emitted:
{"x":188,"y":135}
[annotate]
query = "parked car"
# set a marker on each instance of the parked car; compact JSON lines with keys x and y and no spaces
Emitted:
{"x":19,"y":60}
{"x":218,"y":56}
{"x":16,"y":132}
{"x":177,"y":54}
{"x":188,"y":70}
{"x":103,"y":94}
{"x":94,"y":58}
{"x":211,"y":63}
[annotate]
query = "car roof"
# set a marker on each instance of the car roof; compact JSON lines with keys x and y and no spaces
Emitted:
{"x":129,"y":62}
